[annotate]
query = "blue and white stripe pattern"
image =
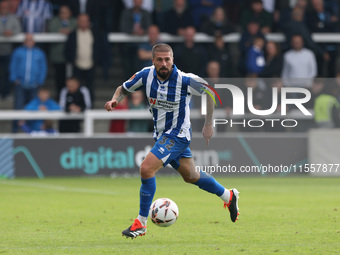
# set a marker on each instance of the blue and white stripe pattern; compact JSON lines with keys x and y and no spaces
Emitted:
{"x":6,"y":158}
{"x":33,"y":15}
{"x":168,"y":100}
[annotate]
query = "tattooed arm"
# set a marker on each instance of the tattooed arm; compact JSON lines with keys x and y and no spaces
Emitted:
{"x":118,"y":96}
{"x":208,"y":130}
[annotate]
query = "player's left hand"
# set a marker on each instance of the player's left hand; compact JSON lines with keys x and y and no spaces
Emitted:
{"x":207,"y":132}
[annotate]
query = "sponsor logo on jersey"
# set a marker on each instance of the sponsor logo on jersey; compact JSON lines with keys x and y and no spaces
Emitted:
{"x":153,"y":100}
{"x":163,"y":104}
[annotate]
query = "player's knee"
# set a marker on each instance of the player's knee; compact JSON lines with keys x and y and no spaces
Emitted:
{"x":146,"y":171}
{"x":143,"y":169}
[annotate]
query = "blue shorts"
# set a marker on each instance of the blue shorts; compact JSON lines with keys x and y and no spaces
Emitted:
{"x":171,"y":149}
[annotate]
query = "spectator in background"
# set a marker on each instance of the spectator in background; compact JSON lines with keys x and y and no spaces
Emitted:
{"x":247,"y":38}
{"x":214,"y":74}
{"x":78,"y":7}
{"x":332,"y":5}
{"x":190,"y":56}
{"x":9,"y":26}
{"x":285,"y":14}
{"x":202,"y":10}
{"x":299,"y":65}
{"x":161,"y":7}
{"x":269,"y":5}
{"x":320,"y":20}
{"x":86,"y":48}
{"x":255,"y":56}
{"x":34,"y":14}
{"x":28,"y":69}
{"x":13,"y":6}
{"x":42,"y":102}
{"x":147,"y":5}
{"x":137,"y":102}
{"x":297,"y":27}
{"x":178,"y":18}
{"x":327,"y":108}
{"x":274,"y":61}
{"x":47,"y":129}
{"x":74,"y":98}
{"x":218,"y":24}
{"x":102,"y":17}
{"x":136,"y":20}
{"x":213,"y":71}
{"x":118,"y":8}
{"x":219,"y":52}
{"x":258,"y":14}
{"x":99,"y":11}
{"x":233,"y":10}
{"x":63,"y":24}
{"x":145,"y":49}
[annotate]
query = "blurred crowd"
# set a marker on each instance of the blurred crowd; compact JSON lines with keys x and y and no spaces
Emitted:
{"x":298,"y":61}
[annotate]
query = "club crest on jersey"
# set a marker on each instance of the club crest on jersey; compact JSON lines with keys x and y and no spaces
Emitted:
{"x":133,"y":76}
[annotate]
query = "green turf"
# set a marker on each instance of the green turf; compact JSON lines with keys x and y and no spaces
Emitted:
{"x":87,"y":215}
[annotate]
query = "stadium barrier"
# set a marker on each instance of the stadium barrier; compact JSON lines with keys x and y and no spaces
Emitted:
{"x":164,"y":37}
{"x":89,"y":116}
{"x":243,"y":154}
{"x":323,"y":151}
{"x":313,"y":153}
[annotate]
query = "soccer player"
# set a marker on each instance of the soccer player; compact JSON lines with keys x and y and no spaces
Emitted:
{"x":169,"y":92}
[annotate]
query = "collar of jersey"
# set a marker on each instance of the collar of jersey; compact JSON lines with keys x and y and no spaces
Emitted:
{"x":172,"y":75}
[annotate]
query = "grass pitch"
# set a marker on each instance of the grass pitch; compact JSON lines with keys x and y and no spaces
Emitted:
{"x":87,"y":215}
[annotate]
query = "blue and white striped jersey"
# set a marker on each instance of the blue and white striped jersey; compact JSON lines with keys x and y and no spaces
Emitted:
{"x":168,"y":100}
{"x":33,"y":15}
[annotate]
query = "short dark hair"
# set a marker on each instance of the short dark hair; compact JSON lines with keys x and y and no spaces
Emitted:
{"x":161,"y":47}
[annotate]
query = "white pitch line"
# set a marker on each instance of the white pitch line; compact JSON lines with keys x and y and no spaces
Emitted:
{"x":59,"y":188}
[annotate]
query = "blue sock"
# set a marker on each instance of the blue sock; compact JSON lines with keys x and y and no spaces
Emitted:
{"x":146,"y":193}
{"x":209,"y":184}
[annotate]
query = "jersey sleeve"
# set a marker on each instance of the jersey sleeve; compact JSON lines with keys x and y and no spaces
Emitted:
{"x":136,"y":81}
{"x":197,"y":85}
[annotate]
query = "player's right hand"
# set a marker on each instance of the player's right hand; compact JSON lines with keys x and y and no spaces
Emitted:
{"x":207,"y":132}
{"x":110,"y":105}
